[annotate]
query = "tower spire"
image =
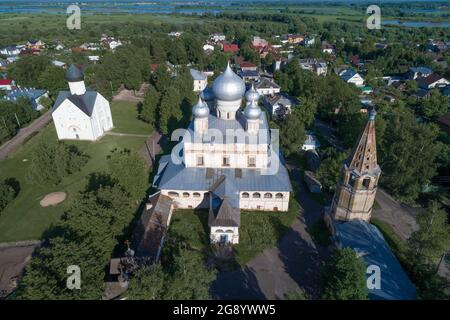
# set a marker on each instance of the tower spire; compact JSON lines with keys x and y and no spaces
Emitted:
{"x":364,"y":154}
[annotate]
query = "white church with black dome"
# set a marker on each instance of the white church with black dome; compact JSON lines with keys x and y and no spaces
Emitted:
{"x":227,"y":161}
{"x":80,"y":114}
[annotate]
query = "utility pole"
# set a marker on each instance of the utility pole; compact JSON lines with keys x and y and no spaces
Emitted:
{"x":18,"y":122}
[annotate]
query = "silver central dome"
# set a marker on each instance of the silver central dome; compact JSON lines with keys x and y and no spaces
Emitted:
{"x":200,"y":110}
{"x":228,"y":86}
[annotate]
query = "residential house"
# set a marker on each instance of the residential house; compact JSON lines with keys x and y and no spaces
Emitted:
{"x":258,"y":42}
{"x":94,"y":58}
{"x":295,"y":38}
{"x":328,"y":48}
{"x":311,"y":142}
{"x":418,"y":72}
{"x":266,"y":87}
{"x":12,"y":50}
{"x":110,"y":42}
{"x":32,"y":94}
{"x":318,"y":66}
{"x":309,"y":41}
{"x":60,"y":64}
{"x":352,"y":77}
{"x":7,"y":84}
{"x":208,"y":48}
{"x":200,"y":80}
{"x":280,"y":104}
{"x":230,"y":48}
{"x":175,"y":34}
{"x":3,"y":64}
{"x":249,"y":75}
{"x":217,"y":37}
{"x":248,"y":66}
{"x":432,"y":81}
{"x":35,"y":44}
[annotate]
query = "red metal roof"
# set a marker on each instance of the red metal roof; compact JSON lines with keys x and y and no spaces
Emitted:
{"x":4,"y":82}
{"x":230,"y":47}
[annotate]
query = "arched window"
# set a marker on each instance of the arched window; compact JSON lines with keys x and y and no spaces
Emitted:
{"x":268,"y":195}
{"x":366,"y":183}
{"x":245,"y":195}
{"x":279,"y":196}
{"x":185,"y":194}
{"x":229,"y":231}
{"x":257,"y":195}
{"x":219,"y":231}
{"x":173,"y":194}
{"x":196,"y":195}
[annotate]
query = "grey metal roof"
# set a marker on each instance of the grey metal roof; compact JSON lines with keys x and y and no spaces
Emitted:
{"x":225,"y":215}
{"x":265,"y":83}
{"x":85,"y":102}
{"x":369,"y":243}
{"x":197,"y":75}
{"x":177,"y":177}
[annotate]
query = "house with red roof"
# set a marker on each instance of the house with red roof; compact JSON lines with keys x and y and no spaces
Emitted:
{"x":233,"y":48}
{"x":7,"y":84}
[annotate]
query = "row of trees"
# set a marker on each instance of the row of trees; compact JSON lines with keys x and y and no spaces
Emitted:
{"x":88,"y":232}
{"x":37,"y":72}
{"x":168,"y":102}
{"x":13,"y":116}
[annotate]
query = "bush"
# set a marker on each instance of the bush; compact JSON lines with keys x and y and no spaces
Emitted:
{"x":7,"y":194}
{"x":50,"y":162}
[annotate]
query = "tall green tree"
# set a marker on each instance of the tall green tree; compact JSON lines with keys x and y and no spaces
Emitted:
{"x":170,"y":112}
{"x":330,"y":167}
{"x":343,"y":277}
{"x":147,"y":284}
{"x":431,"y":240}
{"x":130,"y":171}
{"x":150,"y":106}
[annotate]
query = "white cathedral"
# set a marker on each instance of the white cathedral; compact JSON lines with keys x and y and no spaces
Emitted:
{"x":80,"y":114}
{"x":227,"y":161}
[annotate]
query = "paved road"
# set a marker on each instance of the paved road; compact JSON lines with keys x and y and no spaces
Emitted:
{"x":15,"y":143}
{"x":293,"y":264}
{"x":401,"y":217}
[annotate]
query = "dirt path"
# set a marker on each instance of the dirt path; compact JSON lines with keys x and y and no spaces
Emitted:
{"x":17,"y":141}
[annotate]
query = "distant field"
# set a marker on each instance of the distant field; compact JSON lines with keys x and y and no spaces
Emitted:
{"x":24,"y":218}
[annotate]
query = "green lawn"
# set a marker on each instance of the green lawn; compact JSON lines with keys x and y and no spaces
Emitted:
{"x":125,"y":118}
{"x":24,"y":218}
{"x":258,"y":231}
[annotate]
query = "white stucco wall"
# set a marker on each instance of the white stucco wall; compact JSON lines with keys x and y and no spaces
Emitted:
{"x":213,"y":154}
{"x":73,"y":124}
{"x":231,"y":233}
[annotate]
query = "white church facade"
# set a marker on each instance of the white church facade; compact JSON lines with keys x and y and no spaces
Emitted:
{"x":226,"y":160}
{"x":80,"y":114}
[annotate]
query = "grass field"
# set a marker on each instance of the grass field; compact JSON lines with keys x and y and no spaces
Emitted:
{"x":24,"y":218}
{"x":258,"y":231}
{"x":125,"y":117}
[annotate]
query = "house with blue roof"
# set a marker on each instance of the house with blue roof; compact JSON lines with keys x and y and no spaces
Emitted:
{"x":32,"y":94}
{"x":352,"y":77}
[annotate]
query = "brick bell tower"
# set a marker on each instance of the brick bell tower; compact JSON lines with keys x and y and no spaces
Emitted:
{"x":357,"y":186}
